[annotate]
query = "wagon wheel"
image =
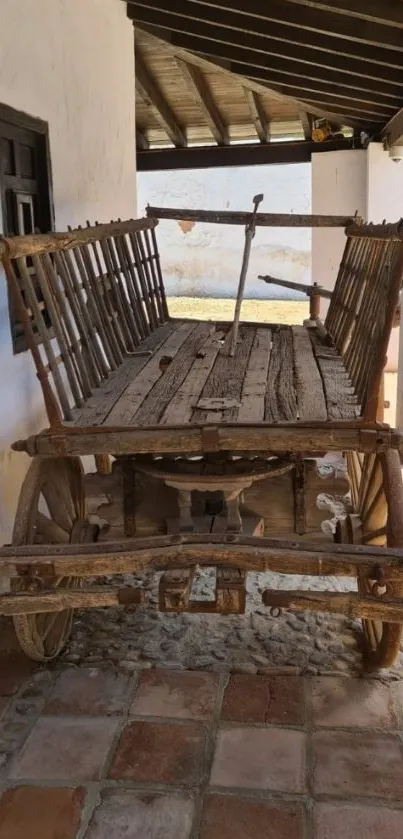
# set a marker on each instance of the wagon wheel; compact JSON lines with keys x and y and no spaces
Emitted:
{"x":51,"y":510}
{"x":377,"y":491}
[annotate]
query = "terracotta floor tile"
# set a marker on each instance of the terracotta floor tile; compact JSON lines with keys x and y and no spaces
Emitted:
{"x":160,"y":753}
{"x":126,"y":814}
{"x":65,"y":749}
{"x":40,"y":813}
{"x":166,"y":693}
{"x":355,"y":821}
{"x":368,"y":764}
{"x":352,"y":703}
{"x":276,"y":699}
{"x":15,"y":668}
{"x":260,"y":758}
{"x":88,"y":690}
{"x":227,"y":817}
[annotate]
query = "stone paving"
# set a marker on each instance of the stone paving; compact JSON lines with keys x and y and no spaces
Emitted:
{"x":101,"y":753}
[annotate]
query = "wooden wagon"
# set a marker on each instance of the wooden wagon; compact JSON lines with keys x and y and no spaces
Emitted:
{"x":214,"y":456}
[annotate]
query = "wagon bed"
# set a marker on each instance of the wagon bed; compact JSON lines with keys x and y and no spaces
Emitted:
{"x":120,"y":377}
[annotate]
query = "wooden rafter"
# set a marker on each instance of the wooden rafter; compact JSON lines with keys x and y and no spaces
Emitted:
{"x":152,"y":96}
{"x":306,"y":121}
{"x":258,"y":115}
{"x":394,"y":129}
{"x":200,"y":90}
{"x":141,"y":140}
{"x":388,"y":12}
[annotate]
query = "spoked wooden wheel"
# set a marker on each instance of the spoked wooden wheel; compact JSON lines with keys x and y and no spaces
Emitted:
{"x":377,"y":492}
{"x":51,"y":510}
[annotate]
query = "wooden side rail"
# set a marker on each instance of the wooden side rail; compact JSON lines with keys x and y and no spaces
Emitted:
{"x":90,"y":297}
{"x":262,"y":219}
{"x":363,"y":304}
{"x":309,"y":290}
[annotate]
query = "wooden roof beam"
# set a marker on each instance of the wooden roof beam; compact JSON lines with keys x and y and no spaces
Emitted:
{"x":258,"y":115}
{"x":265,"y":36}
{"x":311,"y":19}
{"x":153,"y":97}
{"x":200,"y":91}
{"x":388,"y":12}
{"x":393,"y":130}
{"x":306,"y":122}
{"x":141,"y":140}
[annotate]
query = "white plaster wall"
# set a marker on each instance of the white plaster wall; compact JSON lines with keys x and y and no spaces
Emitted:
{"x":71,"y":63}
{"x":339,"y":181}
{"x":204,"y":260}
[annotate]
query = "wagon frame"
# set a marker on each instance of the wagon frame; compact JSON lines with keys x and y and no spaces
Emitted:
{"x":121,"y":378}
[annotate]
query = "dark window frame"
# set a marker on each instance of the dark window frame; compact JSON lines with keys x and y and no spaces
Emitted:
{"x":23,"y":121}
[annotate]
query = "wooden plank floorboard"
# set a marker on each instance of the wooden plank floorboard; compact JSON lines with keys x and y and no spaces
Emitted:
{"x":308,"y":380}
{"x":255,"y":381}
{"x":163,"y":391}
{"x":226,"y":378}
{"x":136,"y":392}
{"x":98,"y":406}
{"x":182,"y":405}
{"x":280,"y":400}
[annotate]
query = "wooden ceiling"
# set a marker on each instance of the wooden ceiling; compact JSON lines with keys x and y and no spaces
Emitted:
{"x":231,"y":82}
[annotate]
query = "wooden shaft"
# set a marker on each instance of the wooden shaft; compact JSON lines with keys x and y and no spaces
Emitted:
{"x":309,"y":290}
{"x":314,"y":303}
{"x":352,"y":604}
{"x":18,"y":246}
{"x":241,"y":287}
{"x":262,"y":219}
{"x":61,"y":599}
{"x":185,"y":550}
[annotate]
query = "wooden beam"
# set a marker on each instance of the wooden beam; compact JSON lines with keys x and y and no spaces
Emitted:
{"x":184,"y":550}
{"x":310,"y":19}
{"x":246,"y":154}
{"x":215,"y":23}
{"x":348,"y":603}
{"x":23,"y":603}
{"x":393,"y":130}
{"x":201,"y":93}
{"x":141,"y":140}
{"x":152,"y":96}
{"x":191,"y":439}
{"x":306,"y":122}
{"x":261,"y":219}
{"x":388,"y":12}
{"x":258,"y":115}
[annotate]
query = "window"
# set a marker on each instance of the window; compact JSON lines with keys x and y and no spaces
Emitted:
{"x":25,"y":186}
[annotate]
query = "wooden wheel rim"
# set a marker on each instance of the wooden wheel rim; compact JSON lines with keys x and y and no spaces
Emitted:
{"x":382,"y":639}
{"x":56,"y":484}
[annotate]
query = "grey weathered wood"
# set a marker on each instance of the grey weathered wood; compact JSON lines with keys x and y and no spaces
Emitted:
{"x":340,"y":397}
{"x":255,"y":381}
{"x":226,"y":378}
{"x":281,"y":402}
{"x":158,"y":398}
{"x":201,"y":92}
{"x":258,"y":115}
{"x":182,"y":404}
{"x":235,"y":217}
{"x":102,"y":401}
{"x":17,"y":246}
{"x":308,"y":381}
{"x":134,"y":395}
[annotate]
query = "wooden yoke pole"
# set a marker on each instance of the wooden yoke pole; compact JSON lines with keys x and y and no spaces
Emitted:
{"x":249,"y":234}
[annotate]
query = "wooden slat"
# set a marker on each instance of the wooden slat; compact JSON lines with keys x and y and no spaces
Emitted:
{"x":255,"y":381}
{"x":226,"y":378}
{"x":101,"y":403}
{"x":149,"y":373}
{"x":159,"y":396}
{"x":235,"y":217}
{"x":280,"y":401}
{"x":181,"y":406}
{"x":341,"y":400}
{"x":308,"y":381}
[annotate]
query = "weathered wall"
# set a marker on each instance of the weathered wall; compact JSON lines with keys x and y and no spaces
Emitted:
{"x":71,"y":63}
{"x":204,"y":260}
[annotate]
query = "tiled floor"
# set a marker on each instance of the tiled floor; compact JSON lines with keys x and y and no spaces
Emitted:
{"x":95,"y":754}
